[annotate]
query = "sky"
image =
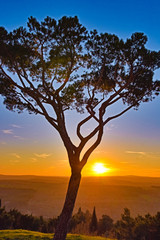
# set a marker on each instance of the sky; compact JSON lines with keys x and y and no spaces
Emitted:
{"x":131,"y":143}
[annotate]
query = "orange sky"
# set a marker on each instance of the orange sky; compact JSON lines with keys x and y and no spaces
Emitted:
{"x":28,"y":145}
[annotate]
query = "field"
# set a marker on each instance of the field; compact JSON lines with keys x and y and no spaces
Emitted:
{"x":28,"y":235}
{"x":45,"y":195}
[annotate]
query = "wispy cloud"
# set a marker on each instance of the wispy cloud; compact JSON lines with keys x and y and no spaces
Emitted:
{"x":154,"y":155}
{"x":34,"y":160}
{"x":7,"y":131}
{"x":110,"y":127}
{"x":19,"y":137}
{"x":42,"y":155}
{"x":16,"y":126}
{"x":16,"y":155}
{"x":3,"y":143}
{"x":133,"y":152}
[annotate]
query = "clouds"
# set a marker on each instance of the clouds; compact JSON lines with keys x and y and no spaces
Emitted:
{"x":18,"y":137}
{"x":16,"y":126}
{"x":16,"y":155}
{"x":7,"y":131}
{"x":11,"y":132}
{"x":16,"y":158}
{"x":39,"y":156}
{"x":42,"y":155}
{"x":34,"y":160}
{"x":149,"y":155}
{"x":134,"y":152}
{"x":110,"y":127}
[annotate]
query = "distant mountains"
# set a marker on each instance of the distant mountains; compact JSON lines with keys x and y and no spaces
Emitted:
{"x":45,"y":195}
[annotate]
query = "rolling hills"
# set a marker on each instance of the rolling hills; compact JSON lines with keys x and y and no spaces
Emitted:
{"x":45,"y":195}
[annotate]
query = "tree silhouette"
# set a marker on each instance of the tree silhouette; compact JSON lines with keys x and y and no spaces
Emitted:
{"x":125,"y":226}
{"x":105,"y":224}
{"x":93,"y":224}
{"x":51,"y":67}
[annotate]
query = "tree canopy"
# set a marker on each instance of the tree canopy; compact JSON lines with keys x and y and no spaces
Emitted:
{"x":62,"y":65}
{"x":61,"y":62}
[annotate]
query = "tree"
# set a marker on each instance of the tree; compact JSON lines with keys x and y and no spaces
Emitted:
{"x":105,"y":225}
{"x":76,"y":219}
{"x":124,"y":228}
{"x":142,"y":227}
{"x":51,"y":67}
{"x":6,"y":220}
{"x":16,"y":215}
{"x":93,"y":224}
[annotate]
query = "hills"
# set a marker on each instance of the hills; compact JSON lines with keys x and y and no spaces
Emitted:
{"x":45,"y":195}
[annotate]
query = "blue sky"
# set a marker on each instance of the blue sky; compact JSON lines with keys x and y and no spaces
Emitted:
{"x":119,"y":17}
{"x":126,"y":138}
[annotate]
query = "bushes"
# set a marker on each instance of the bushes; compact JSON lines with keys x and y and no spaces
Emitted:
{"x":127,"y":228}
{"x":16,"y":220}
{"x":105,"y":225}
{"x":139,"y":228}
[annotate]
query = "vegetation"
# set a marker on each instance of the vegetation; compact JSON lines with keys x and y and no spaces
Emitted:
{"x":127,"y":228}
{"x":93,"y":224}
{"x":139,"y":228}
{"x":30,"y":235}
{"x":23,"y":234}
{"x":40,"y":70}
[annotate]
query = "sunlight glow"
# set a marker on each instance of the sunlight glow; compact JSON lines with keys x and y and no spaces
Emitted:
{"x":99,"y":168}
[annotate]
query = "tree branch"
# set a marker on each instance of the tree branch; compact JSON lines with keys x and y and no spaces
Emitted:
{"x":103,"y":123}
{"x":66,"y":79}
{"x":87,"y":119}
{"x":10,"y":79}
{"x":26,"y":78}
{"x":92,"y":113}
{"x":93,"y":147}
{"x":29,"y":103}
{"x":108,"y":101}
{"x":46,"y":115}
{"x":118,"y":115}
{"x":20,"y":78}
{"x":115,"y":100}
{"x":80,"y":125}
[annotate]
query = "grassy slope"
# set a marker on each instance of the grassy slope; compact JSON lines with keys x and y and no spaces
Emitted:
{"x":29,"y":235}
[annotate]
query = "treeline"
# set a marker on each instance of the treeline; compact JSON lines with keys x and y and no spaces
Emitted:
{"x":14,"y":219}
{"x":127,"y":228}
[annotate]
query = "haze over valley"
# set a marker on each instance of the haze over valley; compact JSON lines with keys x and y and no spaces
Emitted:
{"x":110,"y":195}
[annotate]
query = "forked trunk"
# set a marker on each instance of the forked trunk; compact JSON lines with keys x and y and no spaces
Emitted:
{"x":61,"y":229}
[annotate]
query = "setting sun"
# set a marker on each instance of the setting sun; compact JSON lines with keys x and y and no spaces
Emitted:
{"x":99,"y":168}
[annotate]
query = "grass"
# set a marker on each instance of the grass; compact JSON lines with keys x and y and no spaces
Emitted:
{"x":30,"y":235}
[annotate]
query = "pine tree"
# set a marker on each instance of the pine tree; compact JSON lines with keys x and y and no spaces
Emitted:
{"x":93,"y":225}
{"x":52,"y":66}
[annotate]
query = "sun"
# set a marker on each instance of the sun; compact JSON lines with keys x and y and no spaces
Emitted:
{"x":99,"y":168}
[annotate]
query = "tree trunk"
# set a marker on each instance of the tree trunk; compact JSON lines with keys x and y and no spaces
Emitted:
{"x":61,"y":229}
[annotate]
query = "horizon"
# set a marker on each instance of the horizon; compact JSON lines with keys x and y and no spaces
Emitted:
{"x":96,"y":176}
